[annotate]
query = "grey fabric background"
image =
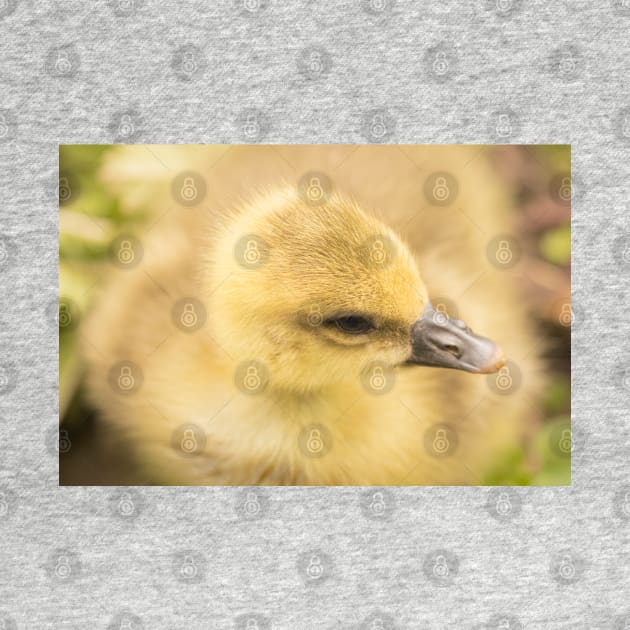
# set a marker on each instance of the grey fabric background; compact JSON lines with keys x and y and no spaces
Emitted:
{"x":69,"y":558}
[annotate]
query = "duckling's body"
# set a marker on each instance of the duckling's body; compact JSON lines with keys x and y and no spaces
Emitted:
{"x":313,"y":388}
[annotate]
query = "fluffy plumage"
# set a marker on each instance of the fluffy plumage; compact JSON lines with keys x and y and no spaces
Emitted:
{"x":316,"y":265}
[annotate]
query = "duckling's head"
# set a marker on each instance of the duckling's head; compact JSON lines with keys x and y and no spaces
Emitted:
{"x":316,"y":294}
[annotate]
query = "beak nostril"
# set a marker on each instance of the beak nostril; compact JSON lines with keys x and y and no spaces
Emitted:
{"x":452,"y":349}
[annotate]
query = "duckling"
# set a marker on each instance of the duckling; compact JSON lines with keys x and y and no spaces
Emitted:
{"x":319,"y":359}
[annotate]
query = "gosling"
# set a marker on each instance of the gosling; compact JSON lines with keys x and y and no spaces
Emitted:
{"x":288,"y":344}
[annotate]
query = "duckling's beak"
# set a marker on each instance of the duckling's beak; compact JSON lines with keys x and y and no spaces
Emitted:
{"x":439,"y":341}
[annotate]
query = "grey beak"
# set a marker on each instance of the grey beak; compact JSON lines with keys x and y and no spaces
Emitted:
{"x":439,"y":341}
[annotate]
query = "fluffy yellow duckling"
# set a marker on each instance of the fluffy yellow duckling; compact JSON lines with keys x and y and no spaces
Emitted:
{"x":292,"y":343}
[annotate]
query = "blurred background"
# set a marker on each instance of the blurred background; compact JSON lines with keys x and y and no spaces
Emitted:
{"x":91,"y":216}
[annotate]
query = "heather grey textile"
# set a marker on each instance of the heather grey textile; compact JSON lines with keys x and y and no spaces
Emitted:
{"x":147,"y":71}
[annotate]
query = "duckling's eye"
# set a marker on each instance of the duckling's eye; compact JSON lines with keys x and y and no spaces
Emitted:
{"x":353,"y":324}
